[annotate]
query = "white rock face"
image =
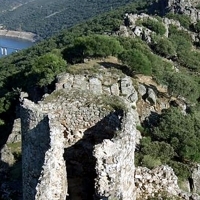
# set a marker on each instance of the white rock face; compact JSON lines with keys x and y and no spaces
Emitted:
{"x":115,"y":163}
{"x":15,"y":135}
{"x":7,"y":156}
{"x":52,"y":183}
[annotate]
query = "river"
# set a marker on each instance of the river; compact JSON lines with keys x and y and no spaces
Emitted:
{"x":9,"y":45}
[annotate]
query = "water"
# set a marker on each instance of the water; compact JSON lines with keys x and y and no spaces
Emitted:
{"x":12,"y":45}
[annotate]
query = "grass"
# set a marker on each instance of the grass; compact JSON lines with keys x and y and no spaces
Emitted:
{"x":15,"y":147}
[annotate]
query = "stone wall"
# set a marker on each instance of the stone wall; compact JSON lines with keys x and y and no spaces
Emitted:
{"x":115,"y":163}
{"x":162,"y":183}
{"x":79,"y":143}
{"x":110,"y":84}
{"x":62,"y":137}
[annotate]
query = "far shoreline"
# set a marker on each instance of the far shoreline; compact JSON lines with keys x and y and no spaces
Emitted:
{"x":18,"y":34}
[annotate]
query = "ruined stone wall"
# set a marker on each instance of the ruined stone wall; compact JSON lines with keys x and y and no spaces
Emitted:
{"x":110,"y":84}
{"x":115,"y":164}
{"x":59,"y":136}
{"x":41,"y":155}
{"x":79,"y":143}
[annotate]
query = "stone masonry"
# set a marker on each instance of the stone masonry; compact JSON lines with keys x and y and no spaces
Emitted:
{"x":78,"y":144}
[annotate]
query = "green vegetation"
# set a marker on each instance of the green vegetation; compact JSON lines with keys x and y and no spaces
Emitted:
{"x":184,"y":20}
{"x":174,"y":139}
{"x":164,"y":47}
{"x":48,"y":17}
{"x":46,"y":67}
{"x":137,"y":61}
{"x":155,"y":26}
{"x":91,"y":46}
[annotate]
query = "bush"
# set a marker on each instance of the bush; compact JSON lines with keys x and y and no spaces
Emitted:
{"x":92,"y":46}
{"x":46,"y":67}
{"x":179,"y":131}
{"x":164,"y":47}
{"x":184,"y":20}
{"x":182,"y":84}
{"x":155,"y":26}
{"x":150,"y":162}
{"x":137,"y":61}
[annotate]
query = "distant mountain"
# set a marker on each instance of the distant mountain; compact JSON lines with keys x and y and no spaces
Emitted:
{"x":47,"y":17}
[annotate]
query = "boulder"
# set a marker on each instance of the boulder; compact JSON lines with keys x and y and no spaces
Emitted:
{"x":151,"y":96}
{"x":142,"y":89}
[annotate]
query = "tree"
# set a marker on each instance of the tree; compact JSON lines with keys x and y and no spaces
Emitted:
{"x":46,"y":67}
{"x":92,"y":46}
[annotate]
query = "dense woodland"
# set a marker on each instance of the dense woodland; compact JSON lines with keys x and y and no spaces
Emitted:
{"x":8,"y":5}
{"x":173,"y":138}
{"x":47,"y":17}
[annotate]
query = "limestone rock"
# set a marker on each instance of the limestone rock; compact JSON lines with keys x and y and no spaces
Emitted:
{"x":142,"y":89}
{"x":151,"y":96}
{"x":149,"y":182}
{"x":196,"y":179}
{"x":6,"y":156}
{"x":115,"y":163}
{"x":95,"y":85}
{"x":186,"y":7}
{"x":115,"y":89}
{"x":15,"y":135}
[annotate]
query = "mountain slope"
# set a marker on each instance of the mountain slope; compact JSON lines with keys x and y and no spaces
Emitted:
{"x":8,"y":5}
{"x":165,"y":49}
{"x":46,"y":17}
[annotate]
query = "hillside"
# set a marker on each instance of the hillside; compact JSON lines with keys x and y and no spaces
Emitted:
{"x":150,"y":61}
{"x":47,"y":17}
{"x":9,"y":5}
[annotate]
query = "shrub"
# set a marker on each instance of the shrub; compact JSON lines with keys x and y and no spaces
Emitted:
{"x":182,"y":84}
{"x":164,"y":47}
{"x":46,"y":67}
{"x":184,"y":20}
{"x":150,"y":162}
{"x":137,"y":61}
{"x":92,"y":46}
{"x":155,"y":26}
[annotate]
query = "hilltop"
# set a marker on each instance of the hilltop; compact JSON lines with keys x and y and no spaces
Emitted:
{"x":135,"y":70}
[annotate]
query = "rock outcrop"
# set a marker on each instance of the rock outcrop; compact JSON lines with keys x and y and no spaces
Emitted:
{"x":186,"y":7}
{"x":131,"y":29}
